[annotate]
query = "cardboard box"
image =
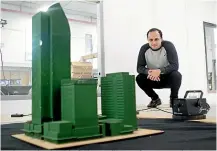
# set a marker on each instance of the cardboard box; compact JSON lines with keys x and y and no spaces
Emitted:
{"x":81,"y":70}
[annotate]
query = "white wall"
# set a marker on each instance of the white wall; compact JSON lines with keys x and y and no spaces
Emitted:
{"x":16,"y":37}
{"x":181,"y":21}
{"x":197,"y":12}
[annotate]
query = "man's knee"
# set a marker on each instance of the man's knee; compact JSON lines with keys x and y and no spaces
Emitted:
{"x":140,"y":78}
{"x":176,"y":75}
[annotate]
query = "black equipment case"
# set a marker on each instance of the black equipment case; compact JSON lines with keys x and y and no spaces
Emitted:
{"x":190,"y":106}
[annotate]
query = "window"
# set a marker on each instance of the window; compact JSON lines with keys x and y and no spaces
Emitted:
{"x":88,"y":44}
{"x":210,"y":40}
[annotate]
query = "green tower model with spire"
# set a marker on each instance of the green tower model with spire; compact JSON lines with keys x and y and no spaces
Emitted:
{"x":65,"y":109}
{"x":50,"y":64}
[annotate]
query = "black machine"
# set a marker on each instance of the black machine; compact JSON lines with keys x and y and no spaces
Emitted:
{"x":190,"y":106}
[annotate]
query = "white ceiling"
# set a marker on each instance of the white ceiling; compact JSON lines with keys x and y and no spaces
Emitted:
{"x":71,"y":7}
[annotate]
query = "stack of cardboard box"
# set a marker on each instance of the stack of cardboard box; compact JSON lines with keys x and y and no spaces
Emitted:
{"x":81,"y":70}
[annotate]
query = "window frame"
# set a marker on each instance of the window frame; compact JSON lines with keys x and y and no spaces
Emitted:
{"x":212,"y":25}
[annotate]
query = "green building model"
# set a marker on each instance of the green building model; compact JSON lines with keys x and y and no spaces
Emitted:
{"x":65,"y":109}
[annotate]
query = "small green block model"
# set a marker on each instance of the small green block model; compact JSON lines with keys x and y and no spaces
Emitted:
{"x":118,"y":99}
{"x":79,"y":102}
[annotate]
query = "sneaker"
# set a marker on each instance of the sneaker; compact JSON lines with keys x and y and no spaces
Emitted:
{"x":154,"y":103}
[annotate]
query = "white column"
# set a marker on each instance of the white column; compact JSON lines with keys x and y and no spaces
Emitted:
{"x":100,"y":39}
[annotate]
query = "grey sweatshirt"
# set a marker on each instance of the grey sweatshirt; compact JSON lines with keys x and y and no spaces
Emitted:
{"x":165,"y":58}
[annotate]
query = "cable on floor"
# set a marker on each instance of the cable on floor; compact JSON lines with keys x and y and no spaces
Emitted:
{"x":19,"y":115}
{"x":143,"y":109}
{"x":153,"y":108}
{"x":22,"y":115}
{"x":163,"y":110}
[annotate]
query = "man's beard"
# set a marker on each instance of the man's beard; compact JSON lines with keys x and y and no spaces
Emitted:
{"x":156,"y":48}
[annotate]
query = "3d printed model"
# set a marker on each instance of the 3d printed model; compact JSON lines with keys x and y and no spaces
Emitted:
{"x":118,"y":102}
{"x":65,"y":109}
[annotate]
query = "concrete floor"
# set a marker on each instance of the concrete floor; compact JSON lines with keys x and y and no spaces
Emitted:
{"x":156,"y":112}
{"x":24,"y":107}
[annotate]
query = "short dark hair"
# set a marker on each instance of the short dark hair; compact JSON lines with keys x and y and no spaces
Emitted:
{"x":155,"y":29}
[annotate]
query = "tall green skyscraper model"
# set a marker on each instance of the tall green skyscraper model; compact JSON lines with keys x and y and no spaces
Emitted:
{"x":65,"y":109}
{"x":50,"y":64}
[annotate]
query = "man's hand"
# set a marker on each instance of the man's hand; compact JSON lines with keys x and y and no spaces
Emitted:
{"x":154,"y":75}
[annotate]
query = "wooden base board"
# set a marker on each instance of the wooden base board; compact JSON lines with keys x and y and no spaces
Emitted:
{"x":153,"y":116}
{"x":48,"y":145}
{"x":196,"y":117}
{"x":169,"y":116}
{"x":208,"y":120}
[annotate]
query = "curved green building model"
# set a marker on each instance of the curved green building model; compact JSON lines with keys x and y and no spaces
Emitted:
{"x":65,"y":109}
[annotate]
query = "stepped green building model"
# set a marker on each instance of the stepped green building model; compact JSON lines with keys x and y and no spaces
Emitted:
{"x":65,"y":109}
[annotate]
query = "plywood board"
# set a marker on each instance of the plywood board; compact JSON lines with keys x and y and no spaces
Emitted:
{"x":156,"y":115}
{"x":208,"y":120}
{"x":169,"y":116}
{"x":81,"y":76}
{"x":25,"y":77}
{"x":90,"y":56}
{"x":48,"y":145}
{"x":81,"y":67}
